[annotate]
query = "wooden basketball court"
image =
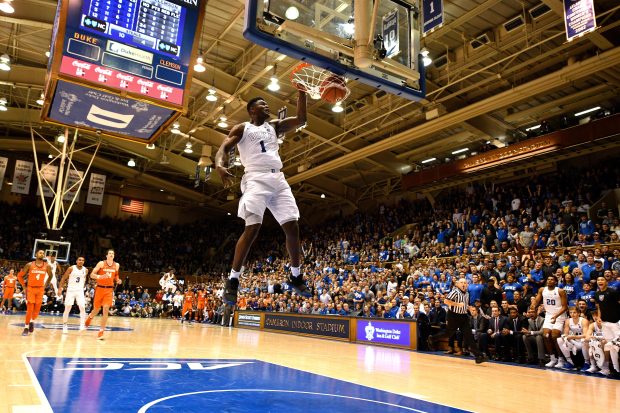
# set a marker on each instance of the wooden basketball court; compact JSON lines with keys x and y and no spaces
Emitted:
{"x":445,"y":381}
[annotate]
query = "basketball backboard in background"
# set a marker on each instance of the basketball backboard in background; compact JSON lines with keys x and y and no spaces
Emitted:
{"x":378,"y":44}
{"x":59,"y":249}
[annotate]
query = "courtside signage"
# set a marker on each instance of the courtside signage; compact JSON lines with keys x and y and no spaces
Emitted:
{"x":381,"y":332}
{"x":328,"y":326}
{"x":249,"y":320}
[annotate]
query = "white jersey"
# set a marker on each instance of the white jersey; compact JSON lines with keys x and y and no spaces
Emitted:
{"x":77,"y":278}
{"x":552,"y":301}
{"x":53,"y":266}
{"x":258,"y":148}
{"x":575,"y":329}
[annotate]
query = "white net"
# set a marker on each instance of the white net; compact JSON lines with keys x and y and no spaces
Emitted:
{"x":315,"y":80}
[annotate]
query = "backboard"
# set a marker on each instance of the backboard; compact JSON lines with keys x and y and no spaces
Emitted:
{"x":377,"y":44}
{"x":59,"y":249}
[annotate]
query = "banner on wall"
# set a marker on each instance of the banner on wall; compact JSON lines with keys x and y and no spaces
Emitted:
{"x":21,"y":177}
{"x":96,"y":188}
{"x":48,"y":173}
{"x":73,"y":185}
{"x":3,"y":164}
{"x":432,"y":13}
{"x":390,"y":33}
{"x":579,"y":18}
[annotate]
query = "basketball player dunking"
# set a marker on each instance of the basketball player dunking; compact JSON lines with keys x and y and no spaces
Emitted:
{"x":263,"y":186}
{"x":106,"y":274}
{"x":75,"y":276}
{"x":555,"y":302}
{"x":38,"y":276}
{"x":8,"y":289}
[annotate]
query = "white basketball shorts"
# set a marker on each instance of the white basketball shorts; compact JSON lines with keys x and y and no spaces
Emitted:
{"x":75,"y":297}
{"x":611,"y":330}
{"x":263,"y":190}
{"x":558,"y":325}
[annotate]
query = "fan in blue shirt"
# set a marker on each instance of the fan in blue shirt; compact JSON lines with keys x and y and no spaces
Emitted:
{"x":510,"y":287}
{"x":475,"y":289}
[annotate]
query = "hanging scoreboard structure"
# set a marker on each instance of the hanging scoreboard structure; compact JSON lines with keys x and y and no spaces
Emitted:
{"x":122,"y":67}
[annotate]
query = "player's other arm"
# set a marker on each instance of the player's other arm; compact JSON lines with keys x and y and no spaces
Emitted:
{"x":293,"y":122}
{"x":221,"y":157}
{"x":93,"y":273}
{"x":537,"y":300}
{"x":63,"y":280}
{"x":24,"y":271}
{"x":118,"y":274}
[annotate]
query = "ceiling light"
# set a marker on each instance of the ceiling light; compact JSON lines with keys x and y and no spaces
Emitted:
{"x":228,"y":213}
{"x":460,"y":151}
{"x":199,"y":66}
{"x":131,"y":163}
{"x":6,"y":7}
{"x":337,"y":108}
{"x":292,"y":13}
{"x":223,"y":118}
{"x":150,"y":146}
{"x":237,"y":161}
{"x":274,"y":86}
{"x":212,"y":96}
{"x":349,"y":27}
{"x":322,"y":196}
{"x":41,"y":99}
{"x":533,"y":128}
{"x":5,"y":62}
{"x":47,"y":54}
{"x":161,"y":190}
{"x":175,"y":128}
{"x":587,"y":111}
{"x":188,"y":149}
{"x":426,"y":60}
{"x":280,"y":141}
{"x":222,"y":124}
{"x":60,"y":138}
{"x":49,"y":156}
{"x":3,"y":103}
{"x":429,"y":160}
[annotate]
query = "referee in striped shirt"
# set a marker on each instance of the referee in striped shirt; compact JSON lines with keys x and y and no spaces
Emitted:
{"x":458,"y":301}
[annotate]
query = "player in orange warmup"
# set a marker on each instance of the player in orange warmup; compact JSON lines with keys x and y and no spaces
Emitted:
{"x":188,"y":305}
{"x":8,"y":289}
{"x":38,"y":276}
{"x":106,"y":273}
{"x":201,"y":300}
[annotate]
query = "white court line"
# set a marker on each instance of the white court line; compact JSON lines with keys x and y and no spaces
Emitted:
{"x":45,"y":404}
{"x":144,"y":408}
{"x":34,"y":408}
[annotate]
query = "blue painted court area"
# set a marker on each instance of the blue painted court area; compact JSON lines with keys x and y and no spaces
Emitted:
{"x":73,"y":327}
{"x":193,"y":385}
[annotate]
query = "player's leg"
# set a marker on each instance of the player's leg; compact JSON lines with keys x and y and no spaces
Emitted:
{"x":69,"y":300}
{"x":555,"y":334}
{"x":38,"y":301}
{"x":614,"y":352}
{"x":585,"y":351}
{"x":104,"y":321}
{"x":81,"y":302}
{"x":549,"y":347}
{"x":244,"y":243}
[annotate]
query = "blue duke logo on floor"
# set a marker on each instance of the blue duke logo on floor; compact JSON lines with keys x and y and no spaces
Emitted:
{"x":188,"y":385}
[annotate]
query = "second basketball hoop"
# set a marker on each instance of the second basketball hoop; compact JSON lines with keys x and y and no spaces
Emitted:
{"x":319,"y":83}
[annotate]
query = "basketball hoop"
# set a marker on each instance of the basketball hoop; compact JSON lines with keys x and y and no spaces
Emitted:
{"x":315,"y":81}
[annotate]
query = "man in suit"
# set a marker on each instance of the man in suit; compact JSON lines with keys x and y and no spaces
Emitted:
{"x":479,"y":326}
{"x":514,"y":341}
{"x":533,"y":339}
{"x":424,"y":327}
{"x":497,"y":324}
{"x":437,"y":315}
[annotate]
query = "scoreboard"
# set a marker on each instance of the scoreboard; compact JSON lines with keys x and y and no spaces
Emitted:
{"x":122,"y":67}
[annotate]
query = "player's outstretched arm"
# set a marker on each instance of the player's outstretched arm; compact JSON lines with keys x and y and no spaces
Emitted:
{"x":293,"y":122}
{"x":221,"y":157}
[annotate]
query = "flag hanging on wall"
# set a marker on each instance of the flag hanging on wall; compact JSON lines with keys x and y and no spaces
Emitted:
{"x":132,"y":206}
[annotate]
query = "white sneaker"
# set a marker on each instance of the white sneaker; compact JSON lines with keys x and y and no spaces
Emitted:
{"x":82,"y":327}
{"x":605,"y":372}
{"x":552,"y":363}
{"x":560,"y":364}
{"x":592,"y":369}
{"x":65,"y":329}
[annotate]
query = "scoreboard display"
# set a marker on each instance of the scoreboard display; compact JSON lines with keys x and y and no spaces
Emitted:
{"x":122,"y":67}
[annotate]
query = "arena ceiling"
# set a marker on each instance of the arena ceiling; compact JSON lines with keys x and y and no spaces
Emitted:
{"x":359,"y":154}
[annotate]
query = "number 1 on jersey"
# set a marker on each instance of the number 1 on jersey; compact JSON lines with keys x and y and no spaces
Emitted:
{"x":262,"y":146}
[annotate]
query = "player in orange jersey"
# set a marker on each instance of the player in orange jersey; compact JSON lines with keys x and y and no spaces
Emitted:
{"x":106,"y":273}
{"x":201,"y":300}
{"x":188,"y":305}
{"x":38,"y":276}
{"x":8,"y":289}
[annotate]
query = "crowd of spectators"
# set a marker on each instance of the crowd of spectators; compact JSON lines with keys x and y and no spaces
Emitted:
{"x":396,"y":262}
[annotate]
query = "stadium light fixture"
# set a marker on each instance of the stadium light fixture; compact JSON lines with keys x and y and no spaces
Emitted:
{"x":583,"y":112}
